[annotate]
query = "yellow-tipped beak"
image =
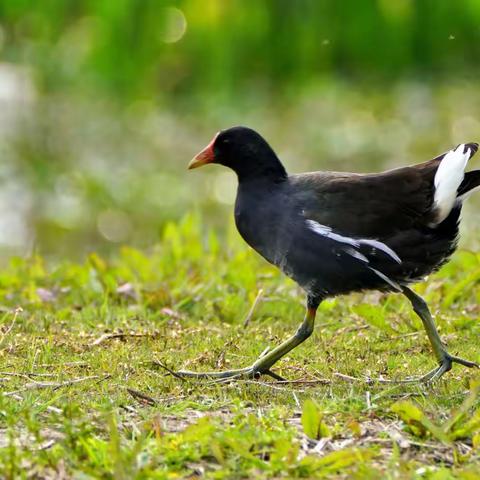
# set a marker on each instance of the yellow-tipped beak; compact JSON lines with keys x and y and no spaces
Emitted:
{"x":207,"y":155}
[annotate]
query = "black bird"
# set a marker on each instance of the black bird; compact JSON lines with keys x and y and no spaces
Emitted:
{"x":335,"y":233}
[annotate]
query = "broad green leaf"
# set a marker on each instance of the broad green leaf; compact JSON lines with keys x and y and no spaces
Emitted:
{"x":418,"y":423}
{"x":312,"y":421}
{"x":338,"y":460}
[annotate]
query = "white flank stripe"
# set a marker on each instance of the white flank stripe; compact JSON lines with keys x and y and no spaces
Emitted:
{"x":354,"y":242}
{"x":383,"y":247}
{"x":327,"y":232}
{"x":356,"y":254}
{"x":448,"y":178}
{"x":395,"y":285}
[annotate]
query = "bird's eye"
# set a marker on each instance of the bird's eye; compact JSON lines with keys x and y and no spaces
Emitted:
{"x":225,"y":141}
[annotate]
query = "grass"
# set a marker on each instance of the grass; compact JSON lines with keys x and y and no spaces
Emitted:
{"x":84,"y":394}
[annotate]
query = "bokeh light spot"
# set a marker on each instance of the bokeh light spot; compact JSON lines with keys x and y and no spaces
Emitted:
{"x":114,"y":225}
{"x":225,"y":188}
{"x":175,"y":25}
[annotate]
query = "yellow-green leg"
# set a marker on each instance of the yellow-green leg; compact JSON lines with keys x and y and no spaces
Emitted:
{"x":263,"y":364}
{"x":444,"y":359}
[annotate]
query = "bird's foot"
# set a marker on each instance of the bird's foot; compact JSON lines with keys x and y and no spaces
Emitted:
{"x":445,"y":366}
{"x":262,"y":366}
{"x":251,"y":372}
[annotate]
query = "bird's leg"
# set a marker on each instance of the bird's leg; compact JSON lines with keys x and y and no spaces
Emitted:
{"x":444,"y":359}
{"x":263,"y":364}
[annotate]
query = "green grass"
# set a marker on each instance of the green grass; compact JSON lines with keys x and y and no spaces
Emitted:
{"x":84,"y":395}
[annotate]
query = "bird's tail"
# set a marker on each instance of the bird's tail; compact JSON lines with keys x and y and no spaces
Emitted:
{"x":470,"y":183}
{"x":450,"y":177}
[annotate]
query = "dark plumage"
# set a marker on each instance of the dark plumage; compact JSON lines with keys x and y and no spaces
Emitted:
{"x":335,"y":233}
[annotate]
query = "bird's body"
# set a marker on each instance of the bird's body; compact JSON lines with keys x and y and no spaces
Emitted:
{"x":335,"y":233}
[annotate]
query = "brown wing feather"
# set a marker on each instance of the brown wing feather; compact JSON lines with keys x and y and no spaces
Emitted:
{"x":370,"y":205}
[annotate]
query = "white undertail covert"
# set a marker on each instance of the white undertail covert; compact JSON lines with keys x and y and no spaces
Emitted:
{"x":448,"y":178}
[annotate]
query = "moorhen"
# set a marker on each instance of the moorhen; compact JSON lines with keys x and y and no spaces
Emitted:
{"x":335,"y":232}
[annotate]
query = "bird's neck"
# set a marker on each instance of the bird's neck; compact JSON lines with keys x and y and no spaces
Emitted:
{"x":272,"y":171}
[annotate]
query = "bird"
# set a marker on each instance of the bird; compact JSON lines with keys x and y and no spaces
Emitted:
{"x":335,"y":233}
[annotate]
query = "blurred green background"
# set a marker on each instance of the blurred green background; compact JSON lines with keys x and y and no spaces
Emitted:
{"x":104,"y":102}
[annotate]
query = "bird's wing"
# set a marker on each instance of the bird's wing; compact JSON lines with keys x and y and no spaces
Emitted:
{"x":379,"y":205}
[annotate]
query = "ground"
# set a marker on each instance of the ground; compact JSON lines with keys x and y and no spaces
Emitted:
{"x":83,"y":348}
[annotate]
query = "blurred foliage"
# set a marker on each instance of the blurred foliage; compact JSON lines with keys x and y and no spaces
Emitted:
{"x":103,"y":103}
{"x":131,"y":47}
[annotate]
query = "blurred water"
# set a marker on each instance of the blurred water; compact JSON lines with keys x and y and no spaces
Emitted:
{"x":78,"y":173}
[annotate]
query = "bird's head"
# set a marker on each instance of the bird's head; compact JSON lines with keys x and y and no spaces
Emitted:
{"x":243,"y":150}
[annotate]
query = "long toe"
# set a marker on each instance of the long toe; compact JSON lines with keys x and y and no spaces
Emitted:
{"x":441,"y":370}
{"x":426,"y":378}
{"x":466,"y":363}
{"x":225,"y":375}
{"x":446,"y":366}
{"x":274,"y":375}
